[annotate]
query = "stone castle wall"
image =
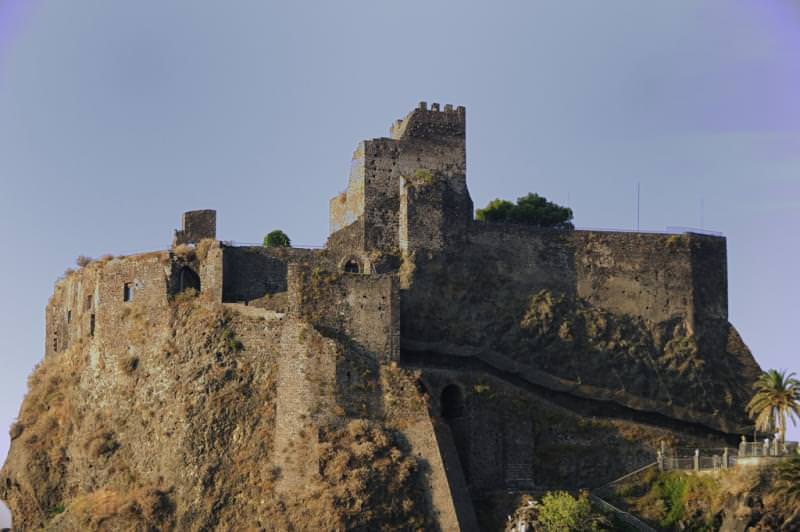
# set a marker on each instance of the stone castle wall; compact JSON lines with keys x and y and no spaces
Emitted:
{"x":94,"y":301}
{"x":305,"y":401}
{"x":426,"y":147}
{"x":364,"y":308}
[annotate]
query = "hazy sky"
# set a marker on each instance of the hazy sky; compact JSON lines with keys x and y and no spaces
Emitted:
{"x":117,"y":116}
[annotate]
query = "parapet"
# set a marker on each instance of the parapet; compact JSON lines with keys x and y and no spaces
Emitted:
{"x":196,"y":226}
{"x":431,"y":123}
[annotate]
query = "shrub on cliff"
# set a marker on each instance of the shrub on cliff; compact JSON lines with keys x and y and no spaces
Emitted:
{"x":561,"y":511}
{"x":277,"y":239}
{"x":531,"y":209}
{"x":558,"y":511}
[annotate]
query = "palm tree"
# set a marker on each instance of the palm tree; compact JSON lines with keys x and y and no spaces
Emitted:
{"x":777,"y":397}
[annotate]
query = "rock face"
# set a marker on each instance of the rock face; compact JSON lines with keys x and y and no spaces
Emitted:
{"x":176,"y":429}
{"x":418,"y":363}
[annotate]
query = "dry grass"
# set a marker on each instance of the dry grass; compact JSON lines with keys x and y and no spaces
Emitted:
{"x":185,"y":252}
{"x":83,"y":261}
{"x":203,"y":248}
{"x":366,"y":482}
{"x":135,"y":510}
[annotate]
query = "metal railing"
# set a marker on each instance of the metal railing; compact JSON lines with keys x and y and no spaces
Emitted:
{"x":696,"y":459}
{"x":767,"y":448}
{"x":722,"y":458}
{"x":233,"y":243}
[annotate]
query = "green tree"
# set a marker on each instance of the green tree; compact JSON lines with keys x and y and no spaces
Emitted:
{"x":777,"y":397}
{"x":277,"y":239}
{"x":531,"y":209}
{"x":561,"y":512}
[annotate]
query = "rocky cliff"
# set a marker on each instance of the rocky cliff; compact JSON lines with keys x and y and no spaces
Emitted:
{"x":171,"y":426}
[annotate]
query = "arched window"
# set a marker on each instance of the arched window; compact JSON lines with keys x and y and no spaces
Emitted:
{"x":352,"y":266}
{"x":188,"y":279}
{"x":452,"y":402}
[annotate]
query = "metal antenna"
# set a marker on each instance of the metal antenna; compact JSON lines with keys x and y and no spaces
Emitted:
{"x":638,"y":197}
{"x":702,"y":213}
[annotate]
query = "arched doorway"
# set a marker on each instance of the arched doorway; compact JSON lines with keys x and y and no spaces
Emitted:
{"x":452,"y":402}
{"x":188,"y":279}
{"x":352,"y":266}
{"x":454,"y":412}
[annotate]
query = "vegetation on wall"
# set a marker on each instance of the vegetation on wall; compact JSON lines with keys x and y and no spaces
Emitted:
{"x":531,"y":209}
{"x":752,"y":498}
{"x":277,"y":239}
{"x":558,"y":511}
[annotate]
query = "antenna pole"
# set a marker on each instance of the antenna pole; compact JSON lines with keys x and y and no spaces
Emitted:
{"x":702,"y":213}
{"x":638,"y":197}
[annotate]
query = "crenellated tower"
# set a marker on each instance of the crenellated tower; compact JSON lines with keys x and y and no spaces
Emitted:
{"x":407,"y":191}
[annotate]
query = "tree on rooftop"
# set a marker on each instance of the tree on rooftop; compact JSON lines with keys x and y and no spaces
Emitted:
{"x":777,"y":397}
{"x":277,"y":239}
{"x":531,"y":209}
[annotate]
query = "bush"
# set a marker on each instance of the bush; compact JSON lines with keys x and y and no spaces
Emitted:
{"x":83,"y":260}
{"x":277,"y":239}
{"x":531,"y":209}
{"x":561,"y":512}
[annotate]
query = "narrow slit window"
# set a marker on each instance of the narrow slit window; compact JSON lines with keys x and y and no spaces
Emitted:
{"x":69,"y":316}
{"x":55,"y":342}
{"x":91,"y":325}
{"x":88,"y":302}
{"x":127,"y":292}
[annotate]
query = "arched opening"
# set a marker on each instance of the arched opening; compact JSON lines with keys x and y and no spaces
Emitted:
{"x":352,"y":266}
{"x":452,"y":402}
{"x":188,"y":279}
{"x":454,"y":413}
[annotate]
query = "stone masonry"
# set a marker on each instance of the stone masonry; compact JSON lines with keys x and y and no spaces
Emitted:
{"x":409,"y":278}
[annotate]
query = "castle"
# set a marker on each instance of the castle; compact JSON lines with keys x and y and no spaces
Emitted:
{"x":511,"y":329}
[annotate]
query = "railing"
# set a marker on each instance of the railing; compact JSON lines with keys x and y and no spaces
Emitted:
{"x":767,"y":448}
{"x":233,"y":243}
{"x":696,"y":459}
{"x":667,"y":231}
{"x":722,"y":458}
{"x":629,"y":519}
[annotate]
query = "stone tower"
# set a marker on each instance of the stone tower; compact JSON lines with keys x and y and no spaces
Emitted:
{"x":408,"y":191}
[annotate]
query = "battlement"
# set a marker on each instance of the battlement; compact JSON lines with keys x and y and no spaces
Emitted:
{"x":433,"y":123}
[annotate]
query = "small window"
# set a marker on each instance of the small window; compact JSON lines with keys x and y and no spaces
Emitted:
{"x":55,"y":342}
{"x":69,"y":316}
{"x":88,"y":302}
{"x":127,"y":292}
{"x":91,"y":325}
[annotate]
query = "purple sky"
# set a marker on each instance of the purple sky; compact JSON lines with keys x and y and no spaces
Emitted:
{"x":117,"y":116}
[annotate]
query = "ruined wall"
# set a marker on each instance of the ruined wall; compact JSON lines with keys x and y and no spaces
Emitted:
{"x":251,"y":273}
{"x":472,"y":295}
{"x":432,"y":215}
{"x":709,"y":260}
{"x":91,"y":303}
{"x":639,"y":274}
{"x":363,"y":308}
{"x":426,"y":146}
{"x":348,"y":206}
{"x":305,"y":402}
{"x":196,"y":226}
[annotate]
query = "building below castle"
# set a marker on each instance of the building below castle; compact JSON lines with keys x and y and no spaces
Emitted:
{"x":542,"y":357}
